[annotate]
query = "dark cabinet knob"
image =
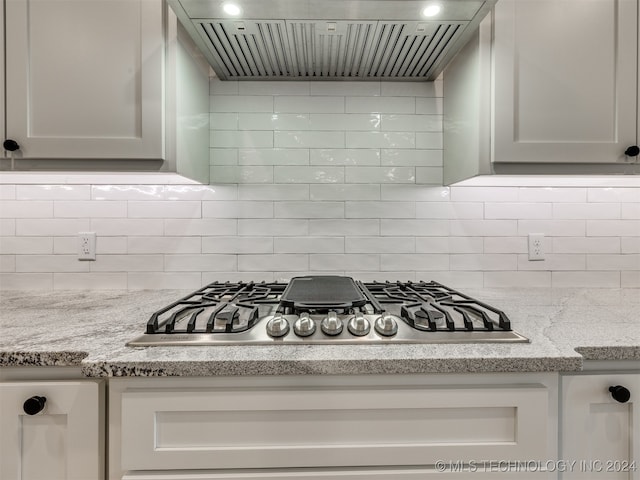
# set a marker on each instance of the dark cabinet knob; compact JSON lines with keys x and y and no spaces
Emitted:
{"x":34,"y":405}
{"x":12,"y":145}
{"x":632,"y":151}
{"x":620,"y":393}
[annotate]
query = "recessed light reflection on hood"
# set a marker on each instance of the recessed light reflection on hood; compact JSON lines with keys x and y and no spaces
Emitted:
{"x":231,"y":9}
{"x":431,"y":10}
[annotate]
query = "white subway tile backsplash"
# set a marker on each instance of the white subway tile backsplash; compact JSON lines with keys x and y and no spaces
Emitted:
{"x":263,"y":87}
{"x":380,"y":245}
{"x":237,"y":245}
{"x":200,"y":263}
{"x":142,"y":245}
{"x":411,"y":158}
{"x":586,"y":210}
{"x":309,"y":104}
{"x":380,"y":139}
{"x":342,"y":262}
{"x":365,"y":89}
{"x":342,"y":192}
{"x":420,"y":261}
{"x":200,"y":227}
{"x":613,"y":228}
{"x":26,"y":245}
{"x":52,"y":192}
{"x":164,"y":209}
{"x":309,"y":245}
{"x":410,"y":123}
{"x":585,"y":279}
{"x":380,"y":210}
{"x":26,"y":281}
{"x":239,"y":103}
{"x":342,"y":156}
{"x":629,"y":245}
{"x":316,"y":177}
{"x":273,"y":192}
{"x":242,"y":138}
{"x":273,"y":156}
{"x":313,"y":174}
{"x":385,"y":104}
{"x":504,"y":210}
{"x":26,"y":209}
{"x":242,"y":174}
{"x":380,"y":175}
{"x":55,"y":226}
{"x":346,"y":227}
{"x":89,"y":209}
{"x":309,"y":210}
{"x":312,"y":139}
{"x":273,"y":227}
{"x":237,"y":209}
{"x":273,"y":121}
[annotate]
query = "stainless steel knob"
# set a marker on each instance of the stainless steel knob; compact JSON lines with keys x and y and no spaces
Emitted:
{"x":386,"y":325}
{"x":331,"y":324}
{"x":304,"y":326}
{"x":278,"y":326}
{"x":358,"y":325}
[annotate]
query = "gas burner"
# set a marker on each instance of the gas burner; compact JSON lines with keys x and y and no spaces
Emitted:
{"x":326,"y":310}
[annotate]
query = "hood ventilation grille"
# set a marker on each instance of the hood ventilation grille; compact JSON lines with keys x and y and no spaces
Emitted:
{"x":328,"y":50}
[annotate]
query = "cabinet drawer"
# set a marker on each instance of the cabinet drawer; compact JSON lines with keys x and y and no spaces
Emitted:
{"x":316,"y":427}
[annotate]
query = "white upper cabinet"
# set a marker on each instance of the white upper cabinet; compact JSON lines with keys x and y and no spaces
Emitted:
{"x":85,"y":78}
{"x":2,"y":151}
{"x":566,"y":84}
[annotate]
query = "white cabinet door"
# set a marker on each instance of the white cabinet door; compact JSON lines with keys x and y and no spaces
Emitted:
{"x":2,"y":151}
{"x":85,"y":78}
{"x":63,"y":441}
{"x":565,"y":80}
{"x":600,"y":433}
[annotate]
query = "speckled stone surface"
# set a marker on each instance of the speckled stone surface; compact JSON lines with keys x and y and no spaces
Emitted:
{"x":91,"y":328}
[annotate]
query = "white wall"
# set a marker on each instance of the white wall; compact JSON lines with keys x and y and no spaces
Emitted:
{"x":328,"y":178}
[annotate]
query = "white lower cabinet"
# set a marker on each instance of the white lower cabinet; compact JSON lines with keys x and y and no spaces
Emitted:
{"x":321,"y":428}
{"x":61,"y":438}
{"x":599,"y":432}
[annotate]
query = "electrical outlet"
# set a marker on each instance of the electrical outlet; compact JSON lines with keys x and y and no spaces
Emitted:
{"x":536,"y":246}
{"x":87,"y":246}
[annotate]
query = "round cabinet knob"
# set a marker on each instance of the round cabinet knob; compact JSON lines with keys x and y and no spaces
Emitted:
{"x":386,"y":325}
{"x":10,"y":145}
{"x":331,"y":324}
{"x":620,"y":393}
{"x":304,"y":326}
{"x":34,"y":405}
{"x":277,"y":326}
{"x":632,"y":151}
{"x":358,"y":325}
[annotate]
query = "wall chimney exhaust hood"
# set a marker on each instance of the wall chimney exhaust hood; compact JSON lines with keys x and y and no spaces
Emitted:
{"x":330,"y":39}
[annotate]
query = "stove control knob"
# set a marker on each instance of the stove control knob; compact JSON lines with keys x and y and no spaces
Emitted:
{"x":304,"y":326}
{"x":278,"y":326}
{"x":386,"y":325}
{"x":358,"y":325}
{"x":331,"y":324}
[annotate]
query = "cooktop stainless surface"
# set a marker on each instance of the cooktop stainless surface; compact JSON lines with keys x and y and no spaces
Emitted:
{"x":326,"y":310}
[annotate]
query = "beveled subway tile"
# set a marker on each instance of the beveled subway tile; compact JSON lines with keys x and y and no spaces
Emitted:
{"x":585,"y":279}
{"x":615,"y":228}
{"x":366,"y":89}
{"x":410,"y":227}
{"x":26,"y":281}
{"x":397,"y":122}
{"x":380,"y":209}
{"x":128,"y":263}
{"x":612,"y":194}
{"x":506,"y":210}
{"x":50,"y":263}
{"x":345,"y":156}
{"x":311,"y":209}
{"x":429,"y":106}
{"x":484,"y":262}
{"x":273,"y":156}
{"x":411,"y":157}
{"x":240,"y":103}
{"x":26,"y":209}
{"x":273,"y":227}
{"x":126,"y":226}
{"x":177,"y":244}
{"x":274,"y":121}
{"x":452,"y":210}
{"x":417,"y":193}
{"x":310,"y":139}
{"x":380,"y":174}
{"x":164,"y":280}
{"x":7,"y":192}
{"x":413,"y":89}
{"x":242,"y":174}
{"x":127,"y":192}
{"x":412,"y":262}
{"x":89,"y":209}
{"x":347,"y":227}
{"x":267,"y":87}
{"x":309,"y":245}
{"x":312,"y":174}
{"x":52,"y":192}
{"x":336,"y":262}
{"x":223,"y":121}
{"x":586,"y":245}
{"x":26,"y":245}
{"x":380,"y":139}
{"x":90,"y":281}
{"x":237,"y":209}
{"x":587,"y":210}
{"x":345,"y":121}
{"x":199,"y":263}
{"x":164,"y":209}
{"x":237,"y":245}
{"x":273,"y":192}
{"x":341,"y":192}
{"x":552,"y":194}
{"x":200,"y":226}
{"x":517,"y":279}
{"x":380,"y":245}
{"x":309,"y":104}
{"x":380,"y":104}
{"x":53,"y":226}
{"x":241,"y":139}
{"x":223,"y":156}
{"x":293,"y":262}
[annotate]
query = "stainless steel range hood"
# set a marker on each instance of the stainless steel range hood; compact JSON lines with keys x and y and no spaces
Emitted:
{"x":330,"y":39}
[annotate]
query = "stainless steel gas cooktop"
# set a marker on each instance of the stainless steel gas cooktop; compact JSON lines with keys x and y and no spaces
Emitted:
{"x":326,"y":310}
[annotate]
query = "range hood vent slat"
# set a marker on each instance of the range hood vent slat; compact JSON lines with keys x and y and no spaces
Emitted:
{"x":324,"y":48}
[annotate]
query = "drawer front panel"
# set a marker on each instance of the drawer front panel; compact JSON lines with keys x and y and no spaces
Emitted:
{"x":246,"y":428}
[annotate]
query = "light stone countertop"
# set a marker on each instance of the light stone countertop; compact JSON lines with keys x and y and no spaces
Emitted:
{"x":90,"y":329}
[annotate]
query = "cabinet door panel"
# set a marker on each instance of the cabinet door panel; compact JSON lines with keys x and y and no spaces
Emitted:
{"x":61,"y":442}
{"x":565,"y":80}
{"x":602,"y":434}
{"x":85,"y":78}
